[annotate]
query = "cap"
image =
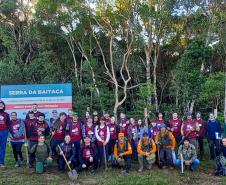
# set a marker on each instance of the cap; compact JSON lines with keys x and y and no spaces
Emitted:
{"x":74,"y":114}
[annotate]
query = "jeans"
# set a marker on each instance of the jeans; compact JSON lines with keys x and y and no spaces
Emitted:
{"x":32,"y":156}
{"x":17,"y":150}
{"x":3,"y":141}
{"x":194,"y":164}
{"x":166,"y":157}
{"x":77,"y":148}
{"x":214,"y":146}
{"x":128,"y":161}
{"x":134,"y":149}
{"x":53,"y":144}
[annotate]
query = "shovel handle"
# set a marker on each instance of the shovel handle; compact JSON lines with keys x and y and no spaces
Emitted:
{"x":65,"y":158}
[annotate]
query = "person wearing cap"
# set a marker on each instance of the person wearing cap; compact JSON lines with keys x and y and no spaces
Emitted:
{"x":201,"y":133}
{"x":175,"y":127}
{"x":34,"y":109}
{"x":123,"y":152}
{"x":188,"y":152}
{"x":74,"y":129}
{"x":146,"y":152}
{"x":58,"y":131}
{"x":88,"y":130}
{"x":53,"y":118}
{"x":123,"y":124}
{"x":102,"y":134}
{"x":16,"y":135}
{"x":88,"y":155}
{"x":189,"y":128}
{"x":4,"y":129}
{"x":166,"y":143}
{"x":113,"y":128}
{"x":213,"y":132}
{"x":68,"y":150}
{"x":40,"y":127}
{"x":29,"y":121}
{"x":133,"y":137}
{"x":43,"y":153}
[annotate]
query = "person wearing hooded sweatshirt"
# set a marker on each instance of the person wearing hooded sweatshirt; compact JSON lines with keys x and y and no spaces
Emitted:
{"x":16,"y":135}
{"x":213,"y":132}
{"x":58,"y":131}
{"x":201,"y":133}
{"x":123,"y":152}
{"x":68,"y":150}
{"x":188,"y":152}
{"x":102,"y":133}
{"x":40,"y":127}
{"x":88,"y":155}
{"x":4,"y":129}
{"x":175,"y":127}
{"x":167,"y":143}
{"x":74,"y":129}
{"x":146,"y":152}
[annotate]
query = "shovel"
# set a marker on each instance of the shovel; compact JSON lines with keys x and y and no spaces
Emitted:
{"x":72,"y":174}
{"x":182,"y":163}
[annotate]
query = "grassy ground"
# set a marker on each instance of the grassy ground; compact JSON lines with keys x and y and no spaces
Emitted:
{"x":18,"y":176}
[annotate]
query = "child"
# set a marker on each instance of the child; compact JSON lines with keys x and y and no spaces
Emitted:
{"x":43,"y":154}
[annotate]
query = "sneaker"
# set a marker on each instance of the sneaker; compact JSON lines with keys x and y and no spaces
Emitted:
{"x":2,"y":166}
{"x":164,"y":167}
{"x":140,"y":170}
{"x":171,"y":168}
{"x":124,"y":172}
{"x":17,"y":164}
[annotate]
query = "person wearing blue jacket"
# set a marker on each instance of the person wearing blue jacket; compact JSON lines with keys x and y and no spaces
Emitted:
{"x":213,"y":132}
{"x":4,"y":129}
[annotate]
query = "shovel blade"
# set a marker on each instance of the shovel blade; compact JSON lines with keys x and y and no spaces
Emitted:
{"x":73,"y":175}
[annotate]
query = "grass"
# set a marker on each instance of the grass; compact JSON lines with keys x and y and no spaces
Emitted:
{"x":204,"y":175}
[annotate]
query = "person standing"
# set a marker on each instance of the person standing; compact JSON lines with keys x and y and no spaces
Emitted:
{"x":213,"y":132}
{"x":200,"y":134}
{"x":175,"y":127}
{"x":34,"y":109}
{"x":4,"y":129}
{"x":123,"y":124}
{"x":16,"y":135}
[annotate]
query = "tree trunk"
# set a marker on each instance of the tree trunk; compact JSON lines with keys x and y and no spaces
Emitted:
{"x":155,"y":84}
{"x":192,"y":106}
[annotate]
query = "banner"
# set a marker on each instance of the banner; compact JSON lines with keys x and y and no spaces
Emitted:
{"x":48,"y":97}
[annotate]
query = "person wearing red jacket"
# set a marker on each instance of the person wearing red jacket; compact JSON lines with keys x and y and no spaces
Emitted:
{"x":175,"y":127}
{"x":200,"y":133}
{"x":74,"y":129}
{"x":40,"y":127}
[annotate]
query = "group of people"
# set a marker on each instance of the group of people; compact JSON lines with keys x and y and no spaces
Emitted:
{"x":98,"y":141}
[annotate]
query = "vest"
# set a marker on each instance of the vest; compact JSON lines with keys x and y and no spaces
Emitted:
{"x":125,"y":147}
{"x":146,"y":148}
{"x":188,"y":125}
{"x":89,"y":131}
{"x":113,"y":131}
{"x":3,"y":118}
{"x":102,"y":132}
{"x":165,"y":140}
{"x":75,"y":131}
{"x":60,"y":131}
{"x":87,"y":152}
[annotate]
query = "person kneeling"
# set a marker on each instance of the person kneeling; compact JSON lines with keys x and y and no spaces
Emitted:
{"x":187,"y":154}
{"x":88,"y":155}
{"x":43,"y":154}
{"x":66,"y":149}
{"x":146,"y":152}
{"x":221,"y":160}
{"x":123,"y":152}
